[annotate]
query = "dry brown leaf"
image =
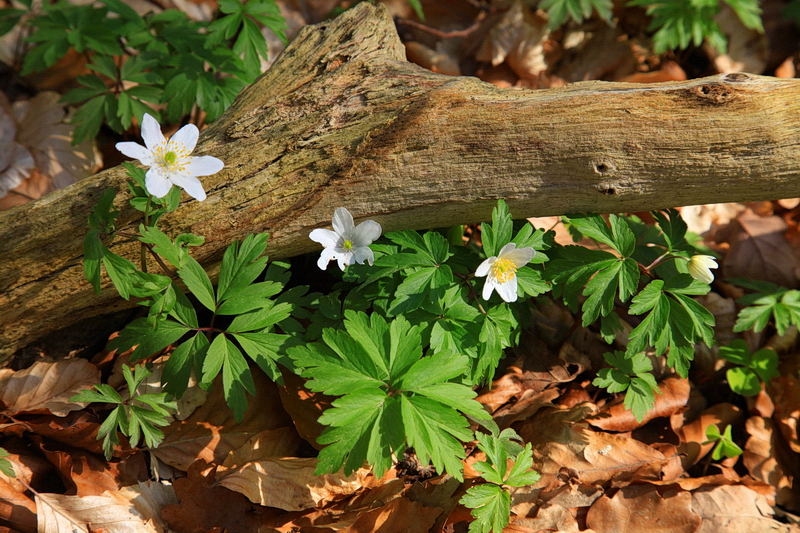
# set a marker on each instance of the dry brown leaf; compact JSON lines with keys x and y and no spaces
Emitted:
{"x":519,"y":39}
{"x":304,"y":406}
{"x":78,"y":429}
{"x":669,"y":71}
{"x":702,"y":218}
{"x":204,"y":506}
{"x":17,"y":510}
{"x":131,"y":509}
{"x":83,"y":473}
{"x":639,"y":508}
{"x":785,"y":392}
{"x":46,"y":387}
{"x":289,"y":483}
{"x":673,"y":396}
{"x":733,"y":509}
{"x":268,"y":444}
{"x":562,"y":444}
{"x":16,"y":161}
{"x":549,"y":517}
{"x":433,"y":60}
{"x":400,"y":514}
{"x":747,"y":48}
{"x":761,"y":462}
{"x":601,"y":53}
{"x":212,"y":432}
{"x":759,"y":250}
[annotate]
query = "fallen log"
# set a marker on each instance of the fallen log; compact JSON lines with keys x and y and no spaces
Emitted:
{"x":342,"y":119}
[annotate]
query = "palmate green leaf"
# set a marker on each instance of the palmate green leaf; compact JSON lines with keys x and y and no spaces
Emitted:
{"x":178,"y":368}
{"x":631,"y":372}
{"x":117,"y":419}
{"x":770,"y":302}
{"x":268,"y":315}
{"x":521,"y":474}
{"x":198,"y":282}
{"x":425,"y":284}
{"x":266,"y":349}
{"x":121,"y":271}
{"x":149,"y":339}
{"x":242,"y":264}
{"x":391,"y":396}
{"x":571,"y":267}
{"x":674,"y":322}
{"x":93,"y":252}
{"x":498,"y":233}
{"x":672,"y":226}
{"x":223,"y":355}
{"x":620,"y":277}
{"x":491,"y":508}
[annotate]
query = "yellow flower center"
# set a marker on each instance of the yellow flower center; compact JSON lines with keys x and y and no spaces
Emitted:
{"x":503,"y":270}
{"x":173,"y":160}
{"x":347,"y":245}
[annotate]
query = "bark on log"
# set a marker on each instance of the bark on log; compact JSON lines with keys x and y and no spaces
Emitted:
{"x":342,"y":119}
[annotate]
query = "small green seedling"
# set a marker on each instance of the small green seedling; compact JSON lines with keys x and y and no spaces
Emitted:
{"x":755,"y":367}
{"x":725,"y":445}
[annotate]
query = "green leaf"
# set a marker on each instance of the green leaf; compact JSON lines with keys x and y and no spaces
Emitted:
{"x":498,"y":233}
{"x":178,"y":368}
{"x":491,"y":508}
{"x":93,"y":251}
{"x":5,"y":465}
{"x":198,"y":282}
{"x":121,"y":271}
{"x":223,"y":355}
{"x":147,"y":338}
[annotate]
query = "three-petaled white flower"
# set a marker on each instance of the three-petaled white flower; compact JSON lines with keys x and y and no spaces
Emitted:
{"x":502,"y":271}
{"x":347,"y":243}
{"x":700,"y":268}
{"x":171,"y":162}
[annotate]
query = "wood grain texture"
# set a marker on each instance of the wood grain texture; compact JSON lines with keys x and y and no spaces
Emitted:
{"x":342,"y":119}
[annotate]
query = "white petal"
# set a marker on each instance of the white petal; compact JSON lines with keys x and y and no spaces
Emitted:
{"x":484,"y":267}
{"x":343,"y":221}
{"x":151,"y":132}
{"x":344,"y":259}
{"x":508,"y":248}
{"x":187,"y":137}
{"x":136,"y":151}
{"x":326,"y":237}
{"x":191,"y":185}
{"x":325,"y":258}
{"x":205,"y":165}
{"x":508,"y":290}
{"x":366,"y":232}
{"x":156,"y":183}
{"x":363,"y":253}
{"x":521,"y":256}
{"x":488,"y":287}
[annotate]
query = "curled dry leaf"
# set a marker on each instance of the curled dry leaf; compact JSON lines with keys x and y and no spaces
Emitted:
{"x":136,"y":508}
{"x":46,"y":387}
{"x":212,"y":432}
{"x":17,"y":509}
{"x":761,"y":461}
{"x":563,"y":443}
{"x":290,"y":483}
{"x":733,"y":509}
{"x":638,"y":508}
{"x":34,"y":135}
{"x":400,"y":514}
{"x":673,"y":396}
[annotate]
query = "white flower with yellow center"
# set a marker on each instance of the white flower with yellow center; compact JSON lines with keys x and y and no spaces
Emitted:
{"x":347,"y":243}
{"x":171,"y":162}
{"x":502,"y":271}
{"x":700,"y":268}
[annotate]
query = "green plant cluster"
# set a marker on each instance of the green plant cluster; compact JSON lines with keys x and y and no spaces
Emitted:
{"x":403,"y":344}
{"x":676,"y":24}
{"x":137,"y":62}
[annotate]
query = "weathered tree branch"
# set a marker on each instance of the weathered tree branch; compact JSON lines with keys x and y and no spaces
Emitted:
{"x":342,"y":119}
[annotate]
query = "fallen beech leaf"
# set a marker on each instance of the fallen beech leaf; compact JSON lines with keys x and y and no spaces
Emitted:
{"x":561,"y":441}
{"x":674,"y":394}
{"x":785,"y":391}
{"x":519,"y":39}
{"x":669,"y":71}
{"x":747,"y":48}
{"x":268,"y":444}
{"x":639,"y":508}
{"x":204,"y":506}
{"x":83,"y":473}
{"x":46,"y":387}
{"x":549,"y":517}
{"x":212,"y":432}
{"x":400,"y":514}
{"x":289,"y":483}
{"x":78,"y":429}
{"x":702,"y":218}
{"x":304,"y":406}
{"x":733,"y":509}
{"x":132,"y":509}
{"x":16,"y":509}
{"x":759,"y":250}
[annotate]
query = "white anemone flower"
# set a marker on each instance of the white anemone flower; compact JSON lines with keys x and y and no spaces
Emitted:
{"x":502,"y":271}
{"x":171,"y":162}
{"x":700,"y":268}
{"x":347,"y":243}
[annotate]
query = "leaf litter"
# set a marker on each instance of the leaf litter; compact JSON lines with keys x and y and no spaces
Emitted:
{"x":601,"y":470}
